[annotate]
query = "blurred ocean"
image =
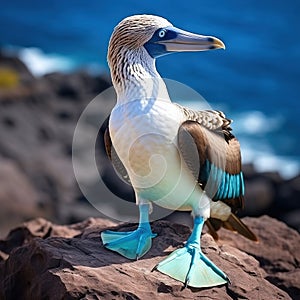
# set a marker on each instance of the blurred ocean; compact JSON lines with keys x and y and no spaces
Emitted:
{"x":255,"y":81}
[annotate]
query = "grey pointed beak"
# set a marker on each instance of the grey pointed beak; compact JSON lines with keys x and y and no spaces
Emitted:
{"x":185,"y":41}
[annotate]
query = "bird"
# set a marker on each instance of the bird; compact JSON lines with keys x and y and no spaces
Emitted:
{"x":172,"y":156}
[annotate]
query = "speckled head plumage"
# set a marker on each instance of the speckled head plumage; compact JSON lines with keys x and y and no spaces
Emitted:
{"x":128,"y":38}
{"x":134,"y":31}
{"x":137,"y":40}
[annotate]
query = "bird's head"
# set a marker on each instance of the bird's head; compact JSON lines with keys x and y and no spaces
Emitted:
{"x":158,"y":36}
{"x":137,"y":40}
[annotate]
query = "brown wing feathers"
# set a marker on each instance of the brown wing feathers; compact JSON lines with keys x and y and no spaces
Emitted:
{"x":210,"y":148}
{"x":215,"y":146}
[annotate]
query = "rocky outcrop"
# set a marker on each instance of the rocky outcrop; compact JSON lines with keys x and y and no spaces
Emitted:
{"x":277,"y":251}
{"x":268,"y":193}
{"x":38,"y":117}
{"x":41,"y":260}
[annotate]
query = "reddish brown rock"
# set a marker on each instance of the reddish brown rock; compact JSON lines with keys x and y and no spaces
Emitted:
{"x":69,"y":262}
{"x":278,"y":251}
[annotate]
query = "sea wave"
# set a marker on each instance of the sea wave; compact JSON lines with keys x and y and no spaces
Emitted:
{"x":256,"y":131}
{"x":256,"y":122}
{"x":40,"y":63}
{"x":267,"y":161}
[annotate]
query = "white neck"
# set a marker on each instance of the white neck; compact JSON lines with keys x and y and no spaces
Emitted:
{"x":135,"y":77}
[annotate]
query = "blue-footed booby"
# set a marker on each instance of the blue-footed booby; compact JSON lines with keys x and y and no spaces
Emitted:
{"x":172,"y":156}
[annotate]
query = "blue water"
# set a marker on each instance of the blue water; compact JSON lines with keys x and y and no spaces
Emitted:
{"x":255,"y":81}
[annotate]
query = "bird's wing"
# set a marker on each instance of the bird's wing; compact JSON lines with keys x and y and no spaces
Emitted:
{"x":110,"y":167}
{"x":218,"y":166}
{"x":212,"y":154}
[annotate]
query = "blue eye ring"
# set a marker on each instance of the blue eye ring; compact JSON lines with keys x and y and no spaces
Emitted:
{"x":162,"y":33}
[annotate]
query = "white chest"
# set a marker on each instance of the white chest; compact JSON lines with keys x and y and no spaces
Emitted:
{"x":144,"y":135}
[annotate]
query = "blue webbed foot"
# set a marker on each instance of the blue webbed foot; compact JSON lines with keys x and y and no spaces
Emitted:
{"x":190,"y":266}
{"x":132,"y":244}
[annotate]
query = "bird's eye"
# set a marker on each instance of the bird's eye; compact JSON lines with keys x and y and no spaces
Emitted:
{"x":162,"y":33}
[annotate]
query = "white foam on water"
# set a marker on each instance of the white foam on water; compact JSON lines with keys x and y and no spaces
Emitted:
{"x":256,"y":122}
{"x":264,"y":160}
{"x":40,"y":63}
{"x":251,"y":129}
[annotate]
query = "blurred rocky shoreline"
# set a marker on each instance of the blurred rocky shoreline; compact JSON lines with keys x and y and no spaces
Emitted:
{"x":38,"y":117}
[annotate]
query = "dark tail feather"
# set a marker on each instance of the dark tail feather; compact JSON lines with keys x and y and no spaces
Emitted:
{"x":212,"y":230}
{"x":235,"y":224}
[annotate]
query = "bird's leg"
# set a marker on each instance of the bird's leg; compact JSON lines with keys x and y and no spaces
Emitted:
{"x":190,"y":265}
{"x":132,"y":244}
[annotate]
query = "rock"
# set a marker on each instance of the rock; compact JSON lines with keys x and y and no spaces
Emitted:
{"x":18,"y":197}
{"x":75,"y":85}
{"x":269,"y":193}
{"x":249,"y":170}
{"x":259,"y":195}
{"x":290,"y":191}
{"x":16,"y":81}
{"x":278,"y":251}
{"x":292,"y":218}
{"x":37,"y":122}
{"x":10,"y":61}
{"x":48,"y":261}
